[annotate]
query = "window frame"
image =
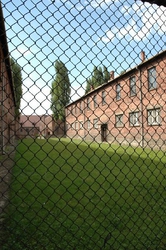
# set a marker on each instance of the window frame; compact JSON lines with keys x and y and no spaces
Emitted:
{"x":133,"y":90}
{"x":119,"y":122}
{"x":95,"y":101}
{"x":88,"y":124}
{"x":103,"y":96}
{"x":88,"y":103}
{"x":118,"y":91}
{"x":81,"y":125}
{"x":152,"y":77}
{"x":73,"y":126}
{"x":134,"y":119}
{"x":95,"y":123}
{"x":76,"y":125}
{"x":155,"y":118}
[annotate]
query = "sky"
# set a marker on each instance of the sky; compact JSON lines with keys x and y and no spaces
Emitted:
{"x":82,"y":34}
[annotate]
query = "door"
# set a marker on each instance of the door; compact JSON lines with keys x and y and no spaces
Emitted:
{"x":104,"y":132}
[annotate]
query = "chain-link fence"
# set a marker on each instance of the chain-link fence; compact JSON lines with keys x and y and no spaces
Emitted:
{"x":82,"y":124}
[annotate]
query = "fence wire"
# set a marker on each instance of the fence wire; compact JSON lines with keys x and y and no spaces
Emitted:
{"x":82,"y":125}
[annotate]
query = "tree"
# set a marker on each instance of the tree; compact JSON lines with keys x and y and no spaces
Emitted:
{"x":89,"y":84}
{"x":60,"y":92}
{"x":99,"y":77}
{"x":106,"y":74}
{"x":17,"y":79}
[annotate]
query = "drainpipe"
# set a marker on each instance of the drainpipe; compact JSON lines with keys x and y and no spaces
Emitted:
{"x":141,"y":107}
{"x":84,"y":118}
{"x":2,"y":110}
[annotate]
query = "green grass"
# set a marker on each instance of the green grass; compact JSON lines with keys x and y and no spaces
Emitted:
{"x":70,"y":194}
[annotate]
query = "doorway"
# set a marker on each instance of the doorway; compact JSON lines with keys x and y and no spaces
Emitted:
{"x":104,"y":132}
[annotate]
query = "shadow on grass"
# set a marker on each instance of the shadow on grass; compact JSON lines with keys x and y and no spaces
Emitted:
{"x":72,"y":195}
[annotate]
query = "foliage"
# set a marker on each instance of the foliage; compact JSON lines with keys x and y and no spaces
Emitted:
{"x":60,"y":92}
{"x":17,"y":78}
{"x":72,"y":194}
{"x":99,"y":76}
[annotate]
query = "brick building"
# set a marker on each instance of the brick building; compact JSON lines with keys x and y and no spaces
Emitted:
{"x":7,"y":95}
{"x":39,"y":126}
{"x":127,"y":109}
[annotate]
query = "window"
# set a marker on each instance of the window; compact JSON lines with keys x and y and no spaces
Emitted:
{"x":76,"y":125}
{"x":81,"y":107}
{"x":72,"y":110}
{"x":73,"y":126}
{"x":154,"y":116}
{"x":95,"y":101}
{"x":67,"y":127}
{"x":118,"y":90}
{"x":88,"y":124}
{"x":132,"y":86}
{"x":88,"y":103}
{"x":81,"y":124}
{"x":134,"y":118}
{"x":119,"y":120}
{"x":103,"y":98}
{"x":95,"y":123}
{"x":152,"y":78}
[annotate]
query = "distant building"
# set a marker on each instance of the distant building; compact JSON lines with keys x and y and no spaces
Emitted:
{"x":129,"y":109}
{"x":7,"y":95}
{"x":34,"y":126}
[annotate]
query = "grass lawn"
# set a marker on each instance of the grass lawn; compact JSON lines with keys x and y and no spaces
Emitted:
{"x":71,"y":195}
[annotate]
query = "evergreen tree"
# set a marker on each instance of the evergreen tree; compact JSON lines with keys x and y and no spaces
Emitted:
{"x":99,"y":77}
{"x":89,"y":84}
{"x":106,"y":74}
{"x":60,"y":92}
{"x":17,"y":79}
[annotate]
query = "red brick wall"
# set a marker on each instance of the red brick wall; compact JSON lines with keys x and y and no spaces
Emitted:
{"x":7,"y":109}
{"x":143,"y":134}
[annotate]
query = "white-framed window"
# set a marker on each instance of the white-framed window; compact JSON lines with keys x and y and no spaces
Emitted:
{"x":154,"y":116}
{"x":103,"y":97}
{"x":76,"y":125}
{"x":119,"y":120}
{"x":88,"y":124}
{"x":72,"y":109}
{"x":95,"y":101}
{"x":81,"y":124}
{"x":152,"y":78}
{"x":88,"y":103}
{"x":132,"y":86}
{"x":67,"y":126}
{"x":76,"y":109}
{"x":81,"y":107}
{"x":134,"y":118}
{"x":73,"y":125}
{"x":118,"y":92}
{"x":95,"y":123}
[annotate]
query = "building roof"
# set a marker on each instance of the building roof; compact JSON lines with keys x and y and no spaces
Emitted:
{"x":158,"y":2}
{"x":4,"y":45}
{"x":142,"y":64}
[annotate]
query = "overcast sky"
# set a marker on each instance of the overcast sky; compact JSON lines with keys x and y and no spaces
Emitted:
{"x":81,"y":34}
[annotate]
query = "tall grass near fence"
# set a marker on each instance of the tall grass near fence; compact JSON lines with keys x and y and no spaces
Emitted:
{"x":71,"y":195}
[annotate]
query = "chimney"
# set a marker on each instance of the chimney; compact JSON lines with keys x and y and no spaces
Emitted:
{"x":91,"y":87}
{"x":112,"y":75}
{"x":142,"y":56}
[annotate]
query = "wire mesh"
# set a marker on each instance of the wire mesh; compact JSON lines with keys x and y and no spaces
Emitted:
{"x":83,"y":125}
